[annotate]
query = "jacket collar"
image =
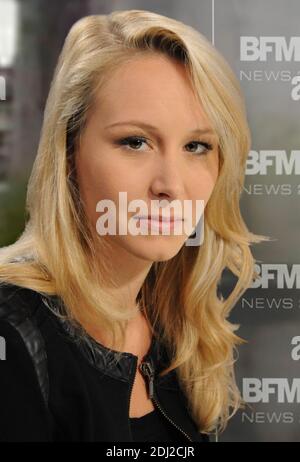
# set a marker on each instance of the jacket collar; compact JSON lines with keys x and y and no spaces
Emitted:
{"x":119,"y":365}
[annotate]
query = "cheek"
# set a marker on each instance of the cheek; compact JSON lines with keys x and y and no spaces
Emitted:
{"x":203,"y":191}
{"x":93,"y":179}
{"x":213,"y":164}
{"x":102,"y":180}
{"x":91,"y":185}
{"x":203,"y":183}
{"x":211,"y":175}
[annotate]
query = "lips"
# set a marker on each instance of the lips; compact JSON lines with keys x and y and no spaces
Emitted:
{"x":159,"y":219}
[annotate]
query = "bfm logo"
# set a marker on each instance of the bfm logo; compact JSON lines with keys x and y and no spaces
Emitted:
{"x":262,"y":48}
{"x":253,"y":49}
{"x":2,"y":88}
{"x":261,"y":390}
{"x":257,"y":390}
{"x":2,"y":348}
{"x":260,"y":162}
{"x":280,"y":273}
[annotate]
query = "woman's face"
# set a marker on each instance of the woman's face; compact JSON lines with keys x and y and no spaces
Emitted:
{"x":141,"y":139}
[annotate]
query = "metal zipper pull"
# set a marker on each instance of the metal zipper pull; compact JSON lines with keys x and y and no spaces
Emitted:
{"x":148,"y":371}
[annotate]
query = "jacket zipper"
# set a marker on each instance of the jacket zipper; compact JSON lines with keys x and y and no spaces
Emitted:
{"x":130,"y":393}
{"x":148,"y":372}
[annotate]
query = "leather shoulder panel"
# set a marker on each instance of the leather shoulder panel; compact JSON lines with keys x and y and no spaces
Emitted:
{"x":17,"y":307}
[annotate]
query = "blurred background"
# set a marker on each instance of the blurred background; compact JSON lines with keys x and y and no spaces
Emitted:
{"x":32,"y":33}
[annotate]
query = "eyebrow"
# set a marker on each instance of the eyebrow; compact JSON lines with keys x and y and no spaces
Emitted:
{"x":154,"y":129}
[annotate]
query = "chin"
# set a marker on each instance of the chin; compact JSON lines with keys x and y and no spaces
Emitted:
{"x":156,"y":250}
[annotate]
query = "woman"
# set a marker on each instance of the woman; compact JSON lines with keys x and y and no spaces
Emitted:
{"x":124,"y":337}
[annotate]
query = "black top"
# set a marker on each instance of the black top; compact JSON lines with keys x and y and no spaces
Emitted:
{"x":82,"y":385}
{"x":154,"y":427}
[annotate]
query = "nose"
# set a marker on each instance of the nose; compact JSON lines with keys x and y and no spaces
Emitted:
{"x":168,"y":181}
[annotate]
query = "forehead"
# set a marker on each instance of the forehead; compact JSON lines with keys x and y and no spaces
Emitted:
{"x":153,"y":87}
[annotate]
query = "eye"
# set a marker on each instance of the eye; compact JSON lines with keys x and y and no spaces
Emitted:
{"x":204,"y":147}
{"x":132,"y":141}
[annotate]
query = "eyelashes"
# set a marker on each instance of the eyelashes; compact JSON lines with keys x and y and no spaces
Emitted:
{"x":130,"y":140}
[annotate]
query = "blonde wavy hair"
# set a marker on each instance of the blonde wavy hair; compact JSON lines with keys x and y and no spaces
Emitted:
{"x":56,"y":254}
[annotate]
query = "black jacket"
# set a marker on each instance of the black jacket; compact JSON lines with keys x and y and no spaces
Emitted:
{"x":56,"y":386}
